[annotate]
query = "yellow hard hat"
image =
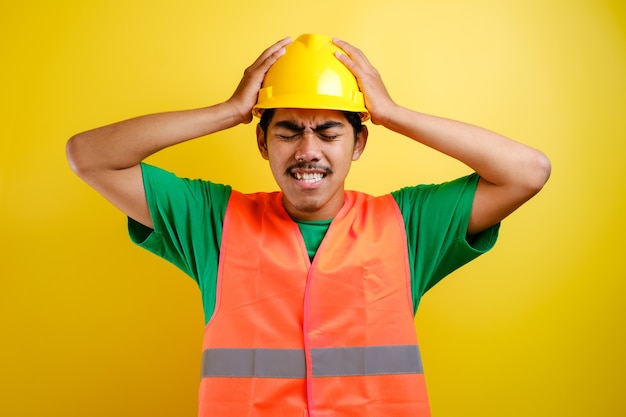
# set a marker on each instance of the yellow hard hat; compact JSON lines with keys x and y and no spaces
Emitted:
{"x":309,"y":76}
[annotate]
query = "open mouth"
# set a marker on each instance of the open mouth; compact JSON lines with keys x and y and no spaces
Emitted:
{"x":309,"y":177}
{"x":308,"y":174}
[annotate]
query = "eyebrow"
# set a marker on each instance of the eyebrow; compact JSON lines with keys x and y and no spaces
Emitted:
{"x":285,"y":124}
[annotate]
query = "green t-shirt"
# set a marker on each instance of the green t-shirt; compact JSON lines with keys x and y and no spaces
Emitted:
{"x":188,"y":215}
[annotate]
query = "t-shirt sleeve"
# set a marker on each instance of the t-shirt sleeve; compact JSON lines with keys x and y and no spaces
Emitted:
{"x":436,"y":219}
{"x":187,"y":216}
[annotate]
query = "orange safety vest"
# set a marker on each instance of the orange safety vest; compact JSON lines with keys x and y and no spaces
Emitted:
{"x":331,"y":338}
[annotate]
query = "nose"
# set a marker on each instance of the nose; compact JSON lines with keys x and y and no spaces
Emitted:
{"x":308,"y":149}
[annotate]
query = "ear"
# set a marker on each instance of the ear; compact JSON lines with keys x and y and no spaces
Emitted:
{"x":361,"y":141}
{"x":261,"y":142}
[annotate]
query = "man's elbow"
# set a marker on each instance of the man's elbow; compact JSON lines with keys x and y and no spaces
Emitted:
{"x":537,"y":173}
{"x":76,"y":153}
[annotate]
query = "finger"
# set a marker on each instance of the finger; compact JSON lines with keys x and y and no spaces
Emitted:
{"x":273,"y":52}
{"x":343,"y":44}
{"x":270,"y":60}
{"x":345,"y":60}
{"x":351,"y":51}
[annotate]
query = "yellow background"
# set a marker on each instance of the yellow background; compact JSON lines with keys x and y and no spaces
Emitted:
{"x":91,"y":325}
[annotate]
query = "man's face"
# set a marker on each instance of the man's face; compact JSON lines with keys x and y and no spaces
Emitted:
{"x":310,"y":153}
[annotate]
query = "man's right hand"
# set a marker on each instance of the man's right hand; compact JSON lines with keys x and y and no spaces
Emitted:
{"x":246,"y":94}
{"x":108,"y":158}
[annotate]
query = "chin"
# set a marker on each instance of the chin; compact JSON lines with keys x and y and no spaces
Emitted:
{"x":308,"y":207}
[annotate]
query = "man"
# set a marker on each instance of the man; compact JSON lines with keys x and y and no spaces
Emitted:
{"x":310,"y":292}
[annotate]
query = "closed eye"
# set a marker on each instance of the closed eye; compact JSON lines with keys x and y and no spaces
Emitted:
{"x":324,"y":137}
{"x":327,"y":137}
{"x":289,"y":137}
{"x":290,"y":131}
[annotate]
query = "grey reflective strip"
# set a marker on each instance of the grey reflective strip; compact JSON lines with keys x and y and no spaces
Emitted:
{"x":246,"y":363}
{"x":367,"y":360}
{"x":291,"y":363}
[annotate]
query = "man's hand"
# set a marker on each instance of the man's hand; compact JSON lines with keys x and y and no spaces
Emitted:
{"x":377,"y":99}
{"x":246,"y":94}
{"x":511,"y":173}
{"x":108,"y":158}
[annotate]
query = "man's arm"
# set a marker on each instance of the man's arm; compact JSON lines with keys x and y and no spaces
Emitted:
{"x":510,"y":172}
{"x":108,"y":158}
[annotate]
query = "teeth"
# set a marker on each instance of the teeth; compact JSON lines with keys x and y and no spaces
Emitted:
{"x":309,"y":177}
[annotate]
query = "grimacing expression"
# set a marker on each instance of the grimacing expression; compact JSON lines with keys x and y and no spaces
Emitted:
{"x":310,"y":152}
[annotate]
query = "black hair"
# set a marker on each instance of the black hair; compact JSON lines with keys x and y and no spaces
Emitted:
{"x":353,"y":118}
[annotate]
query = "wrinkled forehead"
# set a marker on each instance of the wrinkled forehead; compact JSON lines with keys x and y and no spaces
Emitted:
{"x":308,"y":117}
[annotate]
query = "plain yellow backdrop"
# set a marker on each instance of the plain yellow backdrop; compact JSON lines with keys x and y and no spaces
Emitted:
{"x":91,"y":325}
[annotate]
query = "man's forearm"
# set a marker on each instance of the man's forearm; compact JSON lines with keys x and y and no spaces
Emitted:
{"x":125,"y":144}
{"x":497,"y":159}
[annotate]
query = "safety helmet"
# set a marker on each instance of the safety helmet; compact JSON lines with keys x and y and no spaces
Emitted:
{"x":309,"y":76}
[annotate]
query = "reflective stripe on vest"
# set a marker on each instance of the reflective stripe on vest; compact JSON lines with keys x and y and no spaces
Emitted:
{"x":290,"y":363}
{"x":330,"y":338}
